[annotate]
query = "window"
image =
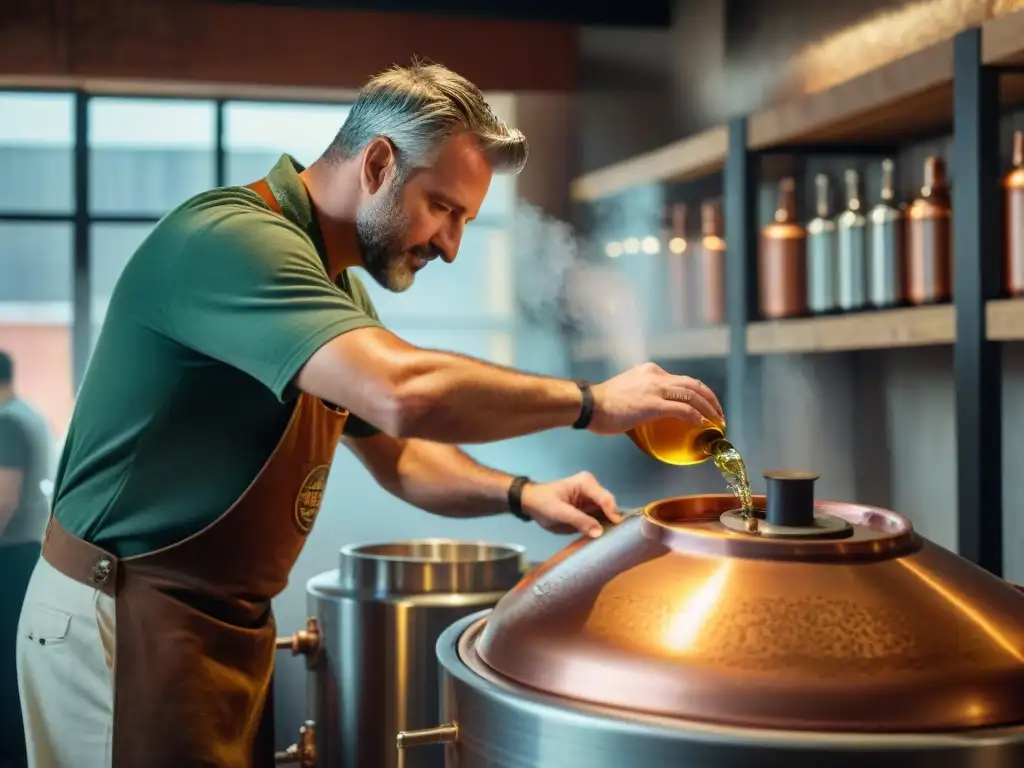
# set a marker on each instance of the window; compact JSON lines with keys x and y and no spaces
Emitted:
{"x":256,"y":134}
{"x":36,"y":153}
{"x":36,"y":315}
{"x":148,"y":155}
{"x":111,"y":245}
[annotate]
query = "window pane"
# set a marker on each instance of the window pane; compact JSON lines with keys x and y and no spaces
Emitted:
{"x":111,"y":246}
{"x":149,"y":155}
{"x":256,"y":134}
{"x":35,"y":315}
{"x":479,"y":284}
{"x":36,"y":152}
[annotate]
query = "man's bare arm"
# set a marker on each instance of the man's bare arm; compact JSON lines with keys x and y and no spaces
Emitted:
{"x":410,"y":392}
{"x":436,"y":478}
{"x":10,"y":493}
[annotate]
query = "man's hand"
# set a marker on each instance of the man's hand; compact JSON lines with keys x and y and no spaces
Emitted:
{"x":648,"y":392}
{"x":572,"y":504}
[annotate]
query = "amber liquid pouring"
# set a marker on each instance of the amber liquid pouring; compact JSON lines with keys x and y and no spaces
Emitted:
{"x":730,"y":464}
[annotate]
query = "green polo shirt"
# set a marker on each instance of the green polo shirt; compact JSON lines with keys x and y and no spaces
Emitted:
{"x":190,"y":386}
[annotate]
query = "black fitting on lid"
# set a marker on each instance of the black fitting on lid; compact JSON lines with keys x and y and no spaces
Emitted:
{"x":790,"y":498}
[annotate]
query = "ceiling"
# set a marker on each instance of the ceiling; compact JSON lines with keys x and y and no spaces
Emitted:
{"x":632,"y":13}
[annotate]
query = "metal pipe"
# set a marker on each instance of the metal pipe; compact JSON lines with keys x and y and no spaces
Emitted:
{"x":442,"y":734}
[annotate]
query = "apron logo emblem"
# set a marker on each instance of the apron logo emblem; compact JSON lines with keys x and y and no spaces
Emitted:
{"x":311,"y":494}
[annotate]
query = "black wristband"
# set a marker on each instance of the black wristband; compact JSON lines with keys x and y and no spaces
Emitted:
{"x":515,"y":497}
{"x":587,"y":409}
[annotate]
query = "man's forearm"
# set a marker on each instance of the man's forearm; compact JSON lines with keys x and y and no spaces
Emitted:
{"x":457,"y":399}
{"x":446,"y":481}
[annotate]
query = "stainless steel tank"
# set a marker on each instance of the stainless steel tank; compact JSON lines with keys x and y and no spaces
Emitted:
{"x":830,"y":634}
{"x":379,"y":616}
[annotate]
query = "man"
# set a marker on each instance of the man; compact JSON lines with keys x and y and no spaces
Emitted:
{"x":24,"y":466}
{"x":238,"y":347}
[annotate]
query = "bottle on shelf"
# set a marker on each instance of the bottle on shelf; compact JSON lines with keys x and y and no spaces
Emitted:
{"x":1014,"y":185}
{"x":822,"y":286}
{"x":929,"y":265}
{"x":851,"y":231}
{"x":887,"y":279}
{"x":783,"y":263}
{"x":679,"y":272}
{"x":711,"y":262}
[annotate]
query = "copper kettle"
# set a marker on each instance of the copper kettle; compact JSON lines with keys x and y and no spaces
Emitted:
{"x":831,"y":617}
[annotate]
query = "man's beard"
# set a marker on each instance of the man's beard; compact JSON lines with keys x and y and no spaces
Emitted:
{"x":379,"y":230}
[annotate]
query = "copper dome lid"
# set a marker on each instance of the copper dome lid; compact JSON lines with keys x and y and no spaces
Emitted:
{"x":834,"y":617}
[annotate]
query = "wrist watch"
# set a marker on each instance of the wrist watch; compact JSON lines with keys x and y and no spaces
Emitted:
{"x":515,"y":497}
{"x":587,"y":408}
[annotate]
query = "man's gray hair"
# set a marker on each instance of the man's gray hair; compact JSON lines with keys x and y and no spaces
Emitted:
{"x":419,"y":107}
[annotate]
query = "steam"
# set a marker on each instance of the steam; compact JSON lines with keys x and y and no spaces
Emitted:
{"x":601,"y":301}
{"x":566,"y":277}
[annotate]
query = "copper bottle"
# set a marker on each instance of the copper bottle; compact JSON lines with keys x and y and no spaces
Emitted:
{"x":821,"y":251}
{"x":852,"y":251}
{"x":887,"y":279}
{"x":711,"y":262}
{"x":679,"y":282}
{"x":783,"y":263}
{"x":929,"y":266}
{"x":1014,"y":184}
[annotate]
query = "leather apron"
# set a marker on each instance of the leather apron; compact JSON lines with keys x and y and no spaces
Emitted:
{"x":194,"y":628}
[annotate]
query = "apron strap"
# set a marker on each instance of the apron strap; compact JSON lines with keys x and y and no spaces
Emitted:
{"x":262,"y":188}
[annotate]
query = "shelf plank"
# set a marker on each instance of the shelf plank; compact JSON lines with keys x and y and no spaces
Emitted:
{"x":1005,"y":320}
{"x":679,"y":345}
{"x":887,"y":329}
{"x":910,"y":327}
{"x":688,"y":158}
{"x":909,"y":96}
{"x":1002,"y":39}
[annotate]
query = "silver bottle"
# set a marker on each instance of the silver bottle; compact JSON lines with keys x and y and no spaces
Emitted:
{"x":887,"y":282}
{"x":822,"y":286}
{"x":851,"y":228}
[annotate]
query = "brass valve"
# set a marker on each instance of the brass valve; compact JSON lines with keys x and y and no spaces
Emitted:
{"x":305,"y":642}
{"x":442,"y":734}
{"x":303,"y":753}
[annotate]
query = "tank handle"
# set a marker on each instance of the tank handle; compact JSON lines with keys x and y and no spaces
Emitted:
{"x":441,"y":734}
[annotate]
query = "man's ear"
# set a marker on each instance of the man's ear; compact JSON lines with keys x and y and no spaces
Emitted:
{"x":378,"y":160}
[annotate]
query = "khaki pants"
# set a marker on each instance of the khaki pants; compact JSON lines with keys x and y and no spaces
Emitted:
{"x":65,"y":651}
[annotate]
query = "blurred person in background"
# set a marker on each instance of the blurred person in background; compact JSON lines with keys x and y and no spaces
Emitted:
{"x":238,"y":348}
{"x":25,"y":445}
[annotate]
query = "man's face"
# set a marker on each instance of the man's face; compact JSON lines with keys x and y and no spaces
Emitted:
{"x":405,"y":225}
